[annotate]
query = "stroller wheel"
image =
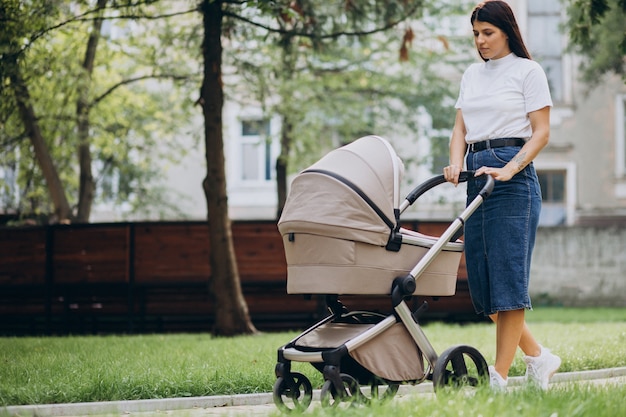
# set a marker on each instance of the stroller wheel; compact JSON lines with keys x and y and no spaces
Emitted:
{"x":458,"y":367}
{"x":351,"y":393}
{"x":293,"y":394}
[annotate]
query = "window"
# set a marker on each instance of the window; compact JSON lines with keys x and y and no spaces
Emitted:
{"x":553,"y":197}
{"x":256,"y":163}
{"x":545,"y":41}
{"x":552,"y":186}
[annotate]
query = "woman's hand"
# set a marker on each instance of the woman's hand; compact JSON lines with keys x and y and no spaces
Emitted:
{"x":451,"y":174}
{"x":500,"y":174}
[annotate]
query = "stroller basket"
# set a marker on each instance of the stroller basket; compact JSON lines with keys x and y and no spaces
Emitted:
{"x":392,"y":356}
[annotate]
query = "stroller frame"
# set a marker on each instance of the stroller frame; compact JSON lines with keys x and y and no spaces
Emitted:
{"x":293,"y":391}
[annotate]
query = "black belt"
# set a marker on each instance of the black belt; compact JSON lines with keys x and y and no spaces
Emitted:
{"x":495,"y":143}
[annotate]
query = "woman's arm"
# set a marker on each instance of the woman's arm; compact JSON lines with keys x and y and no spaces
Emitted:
{"x":540,"y":123}
{"x":458,"y":147}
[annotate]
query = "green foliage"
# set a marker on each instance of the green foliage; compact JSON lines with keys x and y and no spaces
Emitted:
{"x":19,"y":28}
{"x":596,"y":30}
{"x":139,"y":98}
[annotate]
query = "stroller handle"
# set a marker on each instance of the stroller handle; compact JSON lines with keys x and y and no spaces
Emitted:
{"x":404,"y":286}
{"x":464,"y":176}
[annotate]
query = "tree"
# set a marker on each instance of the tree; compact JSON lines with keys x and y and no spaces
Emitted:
{"x":231,"y":310}
{"x":596,"y":31}
{"x":85,"y":120}
{"x":87,"y":186}
{"x":16,"y":28}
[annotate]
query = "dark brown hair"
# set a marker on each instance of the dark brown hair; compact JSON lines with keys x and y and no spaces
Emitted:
{"x":499,"y":14}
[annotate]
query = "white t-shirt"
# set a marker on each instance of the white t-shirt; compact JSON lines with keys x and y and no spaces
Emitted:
{"x":496,"y":97}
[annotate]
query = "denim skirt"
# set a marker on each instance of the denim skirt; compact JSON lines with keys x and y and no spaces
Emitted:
{"x":500,"y":234}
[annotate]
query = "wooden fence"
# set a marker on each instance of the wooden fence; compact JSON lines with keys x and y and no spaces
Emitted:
{"x":155,"y":277}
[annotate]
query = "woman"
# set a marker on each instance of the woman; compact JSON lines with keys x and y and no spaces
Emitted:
{"x":502,"y":123}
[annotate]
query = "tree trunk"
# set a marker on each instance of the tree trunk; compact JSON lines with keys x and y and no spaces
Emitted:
{"x":87,"y":186}
{"x":62,"y":210}
{"x":286,"y":137}
{"x":231,"y":311}
{"x":282,"y":164}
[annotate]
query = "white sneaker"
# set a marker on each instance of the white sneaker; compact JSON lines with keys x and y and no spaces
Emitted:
{"x":539,"y":369}
{"x":496,"y":381}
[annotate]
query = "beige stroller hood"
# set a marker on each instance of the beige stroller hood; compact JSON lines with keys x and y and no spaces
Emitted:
{"x":340,"y":227}
{"x":350,"y":193}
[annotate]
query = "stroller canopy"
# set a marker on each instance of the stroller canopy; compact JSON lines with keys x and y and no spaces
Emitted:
{"x":351,"y":193}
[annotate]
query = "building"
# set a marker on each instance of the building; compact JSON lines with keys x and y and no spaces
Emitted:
{"x":582,"y":170}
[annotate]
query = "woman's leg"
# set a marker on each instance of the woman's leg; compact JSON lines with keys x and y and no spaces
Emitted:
{"x":511,"y":332}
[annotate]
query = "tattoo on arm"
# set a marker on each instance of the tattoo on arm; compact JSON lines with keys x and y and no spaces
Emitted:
{"x":520,"y":160}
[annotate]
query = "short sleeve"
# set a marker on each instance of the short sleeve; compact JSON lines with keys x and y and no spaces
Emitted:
{"x":536,"y":89}
{"x":459,"y":101}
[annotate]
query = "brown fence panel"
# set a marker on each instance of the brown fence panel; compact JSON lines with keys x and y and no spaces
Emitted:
{"x":171,"y":253}
{"x":260,"y":254}
{"x":23,"y":256}
{"x":91,"y":254}
{"x":90,"y":278}
{"x":23,"y":272}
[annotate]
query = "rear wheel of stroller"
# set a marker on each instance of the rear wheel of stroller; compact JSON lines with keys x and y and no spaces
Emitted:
{"x":459,"y":367}
{"x":351,"y":394}
{"x":293,"y":395}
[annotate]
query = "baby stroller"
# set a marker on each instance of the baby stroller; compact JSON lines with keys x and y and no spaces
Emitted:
{"x":342,"y":236}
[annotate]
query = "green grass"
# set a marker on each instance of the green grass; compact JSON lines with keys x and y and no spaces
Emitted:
{"x":571,"y":400}
{"x":103,"y":368}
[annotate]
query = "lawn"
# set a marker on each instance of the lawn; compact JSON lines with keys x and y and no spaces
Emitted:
{"x":572,"y":400}
{"x":43,"y":370}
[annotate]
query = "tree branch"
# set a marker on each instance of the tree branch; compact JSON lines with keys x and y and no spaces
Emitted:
{"x":88,"y":17}
{"x":326,"y":36}
{"x":127,"y":81}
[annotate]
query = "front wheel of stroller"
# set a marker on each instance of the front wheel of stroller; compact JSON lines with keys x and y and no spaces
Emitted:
{"x":294,"y":394}
{"x":351,"y":394}
{"x":459,"y":367}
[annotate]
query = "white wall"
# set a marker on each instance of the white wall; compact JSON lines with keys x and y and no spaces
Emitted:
{"x":579,"y":266}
